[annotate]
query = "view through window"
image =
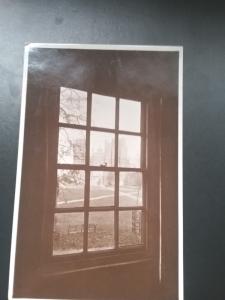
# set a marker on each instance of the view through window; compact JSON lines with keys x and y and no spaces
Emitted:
{"x":100,"y":198}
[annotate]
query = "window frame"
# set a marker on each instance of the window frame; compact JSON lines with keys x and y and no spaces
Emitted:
{"x":120,"y":253}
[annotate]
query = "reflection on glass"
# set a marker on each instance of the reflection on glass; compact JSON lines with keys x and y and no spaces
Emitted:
{"x":73,"y":106}
{"x":68,"y":233}
{"x":71,"y":147}
{"x":102,"y":188}
{"x":130,"y":115}
{"x":102,"y":149}
{"x":103,"y":111}
{"x":130,"y":228}
{"x":129,"y":151}
{"x":130,"y":189}
{"x":101,"y":230}
{"x":70,"y":188}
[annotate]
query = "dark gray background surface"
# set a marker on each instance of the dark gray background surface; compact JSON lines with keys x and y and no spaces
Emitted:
{"x":200,"y":28}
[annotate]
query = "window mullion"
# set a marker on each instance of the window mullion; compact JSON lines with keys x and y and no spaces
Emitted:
{"x":116,"y":214}
{"x":143,"y":166}
{"x":87,"y":173}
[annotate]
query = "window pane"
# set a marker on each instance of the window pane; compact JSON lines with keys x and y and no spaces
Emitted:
{"x":102,"y":149}
{"x":102,"y":188}
{"x":71,"y":149}
{"x":73,"y":106}
{"x":68,"y":233}
{"x":101,"y":230}
{"x":70,"y":188}
{"x":129,"y":151}
{"x":130,"y":190}
{"x":130,"y":115}
{"x":130,"y":227}
{"x":103,"y":111}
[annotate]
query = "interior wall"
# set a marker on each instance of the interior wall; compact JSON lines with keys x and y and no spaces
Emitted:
{"x":199,"y":27}
{"x":131,"y":282}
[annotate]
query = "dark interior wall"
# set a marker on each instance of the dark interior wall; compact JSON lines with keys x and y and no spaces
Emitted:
{"x":108,"y":72}
{"x":200,"y":28}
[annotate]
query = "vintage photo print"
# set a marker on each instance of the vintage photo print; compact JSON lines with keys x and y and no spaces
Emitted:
{"x":98,"y":202}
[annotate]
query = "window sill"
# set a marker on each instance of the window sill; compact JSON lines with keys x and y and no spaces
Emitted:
{"x":105,"y":260}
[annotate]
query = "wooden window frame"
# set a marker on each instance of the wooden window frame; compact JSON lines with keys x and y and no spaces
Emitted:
{"x":118,"y":251}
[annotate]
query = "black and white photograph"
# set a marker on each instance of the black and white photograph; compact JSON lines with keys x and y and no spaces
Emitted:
{"x":98,"y":201}
{"x":112,"y":150}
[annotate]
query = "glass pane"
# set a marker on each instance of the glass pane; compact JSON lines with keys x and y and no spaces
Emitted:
{"x":71,"y":149}
{"x":130,"y":227}
{"x":102,"y":149}
{"x":103,"y":111}
{"x":70,"y":188}
{"x":130,"y":190}
{"x":102,"y":188}
{"x":101,"y":230}
{"x":68,"y":233}
{"x":129,"y":151}
{"x":73,"y":106}
{"x":130,"y":115}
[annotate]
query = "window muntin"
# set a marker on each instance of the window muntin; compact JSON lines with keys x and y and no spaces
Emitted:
{"x":109,"y":162}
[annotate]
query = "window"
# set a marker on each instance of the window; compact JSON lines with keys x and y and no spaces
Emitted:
{"x":100,"y":190}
